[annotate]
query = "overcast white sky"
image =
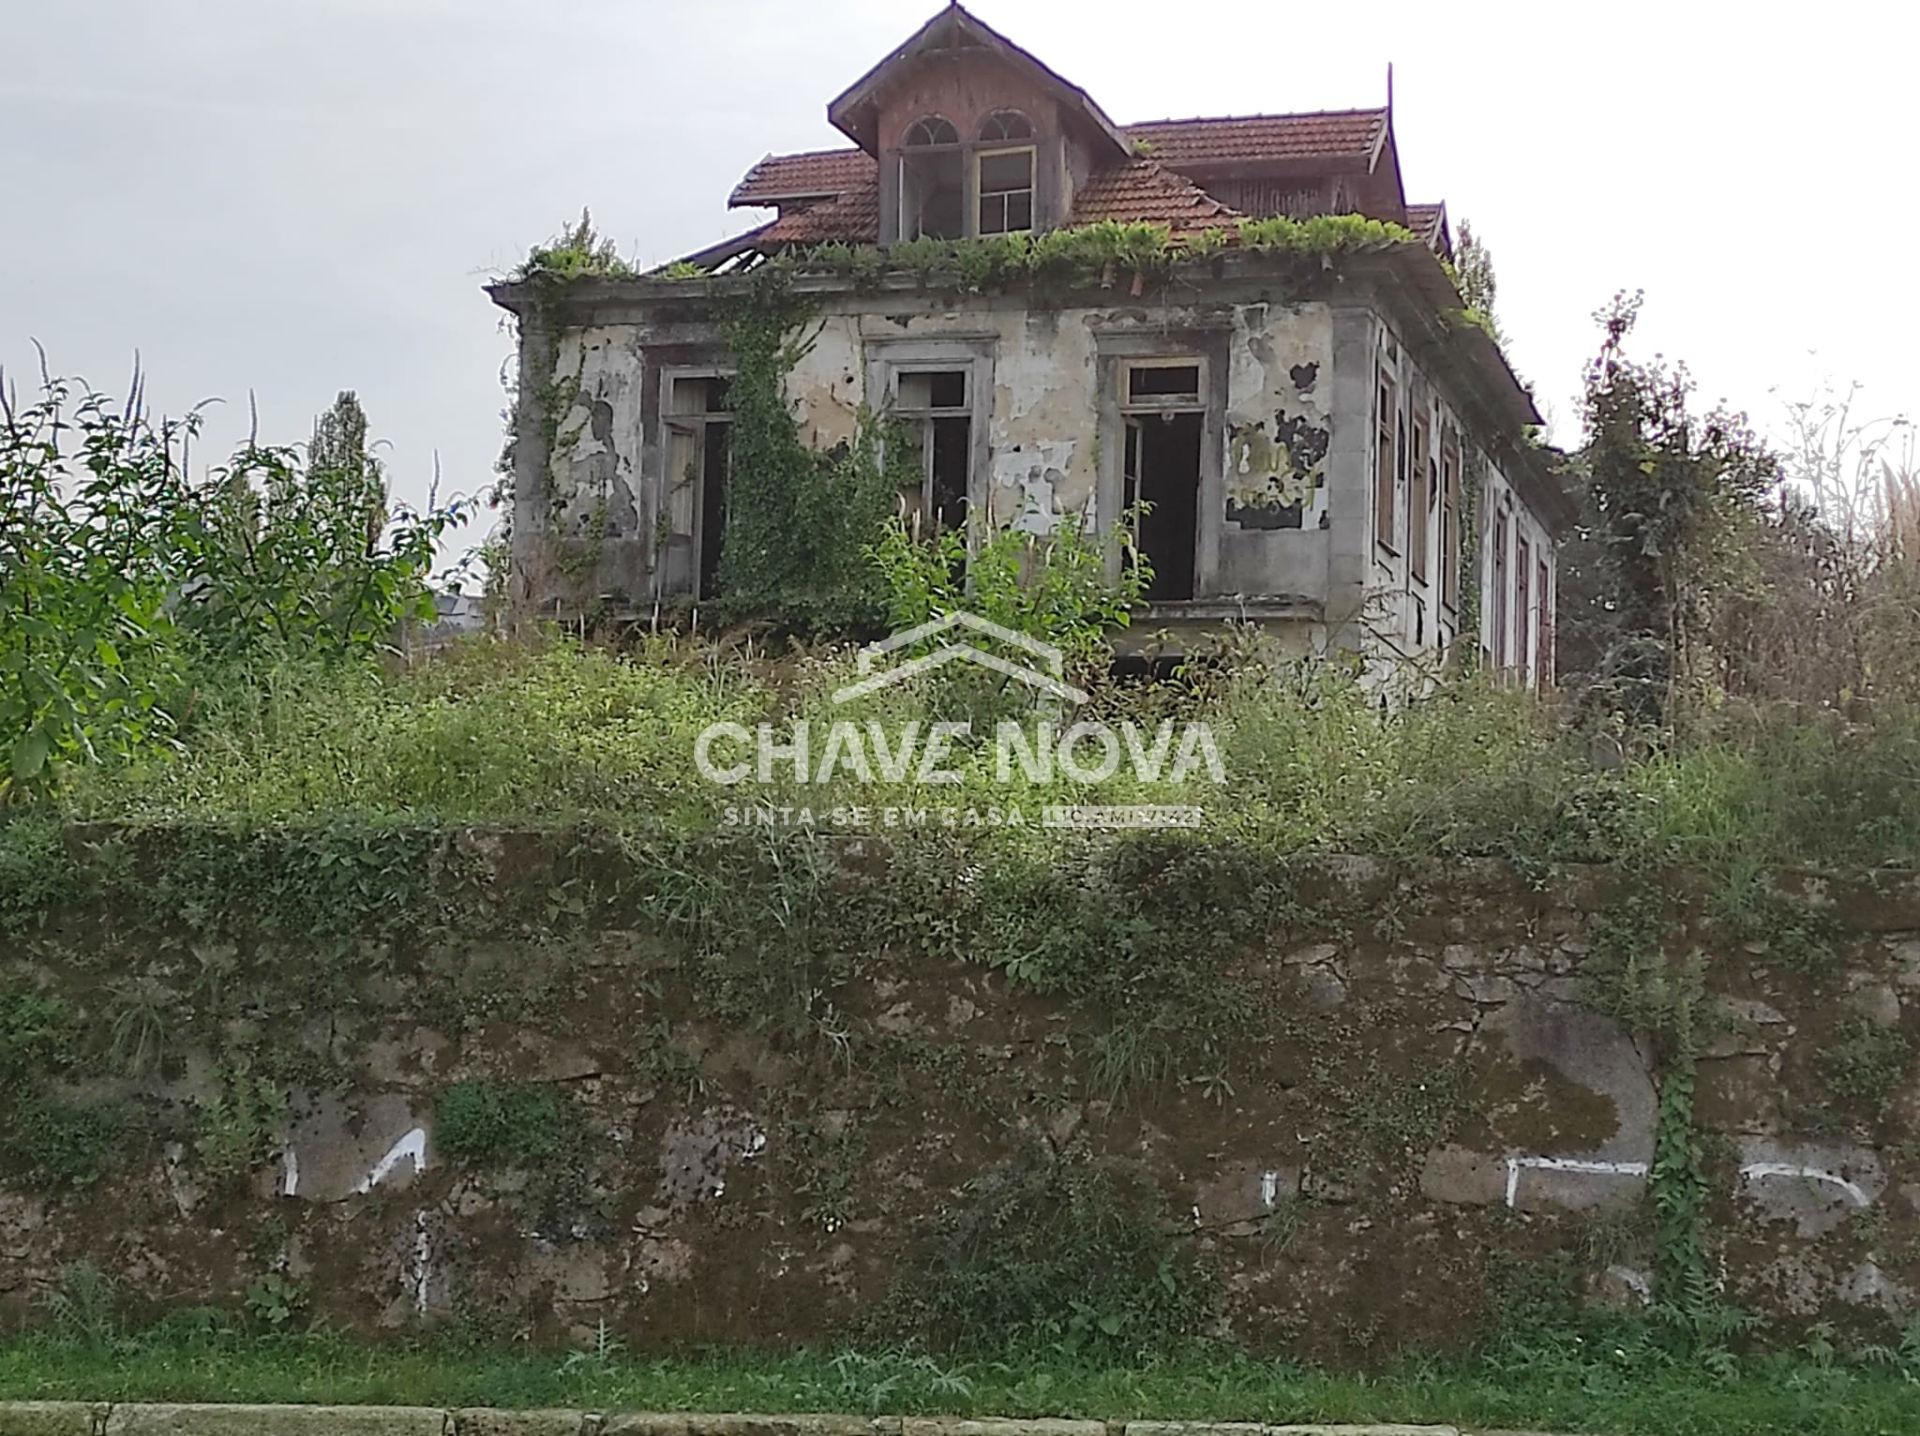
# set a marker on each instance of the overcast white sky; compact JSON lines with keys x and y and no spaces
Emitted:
{"x":296,"y":198}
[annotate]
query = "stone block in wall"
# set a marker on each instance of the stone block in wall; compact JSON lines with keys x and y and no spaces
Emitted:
{"x":644,"y":1423}
{"x":954,"y":1426}
{"x":338,"y":1149}
{"x":49,"y":1418}
{"x":1818,"y":1186}
{"x":200,"y":1419}
{"x":738,"y":1424}
{"x":486,"y":1421}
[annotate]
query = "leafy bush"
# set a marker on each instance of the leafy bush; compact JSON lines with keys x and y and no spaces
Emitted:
{"x":1054,"y":587}
{"x":62,"y":1144}
{"x":1049,"y":1251}
{"x":236,"y":1125}
{"x":489,"y":730}
{"x":118,"y":574}
{"x":482,"y":1121}
{"x":1865,"y":1062}
{"x":578,"y":252}
{"x":36,"y":1033}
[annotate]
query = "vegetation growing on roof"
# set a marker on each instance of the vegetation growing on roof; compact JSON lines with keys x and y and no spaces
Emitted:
{"x":1101,"y":253}
{"x":578,"y":251}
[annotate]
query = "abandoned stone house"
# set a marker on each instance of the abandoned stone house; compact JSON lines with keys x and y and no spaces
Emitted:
{"x":1330,"y":451}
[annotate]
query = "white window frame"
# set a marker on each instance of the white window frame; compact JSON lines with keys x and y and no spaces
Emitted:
{"x":964,"y":410}
{"x":984,"y":152}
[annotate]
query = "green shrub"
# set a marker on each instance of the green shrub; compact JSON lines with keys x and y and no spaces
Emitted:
{"x":236,"y":1125}
{"x":519,"y":1123}
{"x":1864,"y":1062}
{"x":63,"y":1144}
{"x":36,"y":1036}
{"x":1049,"y":1251}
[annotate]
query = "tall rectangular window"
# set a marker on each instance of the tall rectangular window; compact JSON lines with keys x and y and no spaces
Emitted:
{"x":1161,"y":406}
{"x":1005,"y":190}
{"x":1543,"y":587}
{"x":699,"y":426}
{"x":1450,"y":526}
{"x":1522,"y":608}
{"x":1499,"y":587}
{"x":935,"y":409}
{"x":1417,"y":501}
{"x":1386,"y":462}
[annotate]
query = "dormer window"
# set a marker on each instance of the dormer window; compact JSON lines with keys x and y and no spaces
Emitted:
{"x":1003,"y":175}
{"x":931,"y":131}
{"x":932,"y":181}
{"x":1004,"y":125}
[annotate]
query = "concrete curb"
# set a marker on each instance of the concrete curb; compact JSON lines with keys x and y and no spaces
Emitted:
{"x":86,"y":1418}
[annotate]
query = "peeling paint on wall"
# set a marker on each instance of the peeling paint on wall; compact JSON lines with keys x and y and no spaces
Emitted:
{"x":595,"y":464}
{"x":1279,"y":424}
{"x":825,"y":387}
{"x":1029,"y":481}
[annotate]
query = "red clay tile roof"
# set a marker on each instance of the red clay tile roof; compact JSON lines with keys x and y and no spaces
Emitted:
{"x":1175,"y":143}
{"x":1142,"y":190}
{"x":1133,"y":191}
{"x":1425,"y":221}
{"x":1180,"y":143}
{"x":817,"y":173}
{"x":853,"y":217}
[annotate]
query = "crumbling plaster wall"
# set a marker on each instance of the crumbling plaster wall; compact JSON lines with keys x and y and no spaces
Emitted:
{"x":1279,"y":425}
{"x":598,"y":497}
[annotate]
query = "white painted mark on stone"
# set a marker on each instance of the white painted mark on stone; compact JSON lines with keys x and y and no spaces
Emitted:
{"x":289,"y":1173}
{"x":1269,"y":1188}
{"x":1754,"y":1171}
{"x":1568,"y":1164}
{"x":422,"y":1262}
{"x":412,"y":1146}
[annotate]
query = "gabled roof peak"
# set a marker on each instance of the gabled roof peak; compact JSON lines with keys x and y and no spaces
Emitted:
{"x":855,"y":112}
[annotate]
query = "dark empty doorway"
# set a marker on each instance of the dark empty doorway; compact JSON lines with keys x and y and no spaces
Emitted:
{"x":1163,"y":473}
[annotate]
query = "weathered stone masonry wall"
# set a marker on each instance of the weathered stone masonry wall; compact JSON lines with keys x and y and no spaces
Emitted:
{"x":1433,"y":1094}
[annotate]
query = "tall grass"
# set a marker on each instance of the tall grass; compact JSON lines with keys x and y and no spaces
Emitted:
{"x":556,"y":733}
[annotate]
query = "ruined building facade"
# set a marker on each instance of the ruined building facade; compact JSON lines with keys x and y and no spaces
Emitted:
{"x":1326,"y":448}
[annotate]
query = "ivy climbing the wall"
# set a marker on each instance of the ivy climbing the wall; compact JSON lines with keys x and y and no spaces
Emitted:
{"x":799,"y":521}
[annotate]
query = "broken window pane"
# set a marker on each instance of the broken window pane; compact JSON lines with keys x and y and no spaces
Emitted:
{"x":937,"y":421}
{"x":932,"y":185}
{"x":1166,"y":453}
{"x":698,"y":462}
{"x":1006,"y":125}
{"x":933,"y":389}
{"x":931,"y":131}
{"x":1163,"y":381}
{"x":705,"y":394}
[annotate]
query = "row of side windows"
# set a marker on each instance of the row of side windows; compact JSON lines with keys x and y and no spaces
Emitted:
{"x":935,"y":402}
{"x":1414,"y":476}
{"x":1521,"y":637}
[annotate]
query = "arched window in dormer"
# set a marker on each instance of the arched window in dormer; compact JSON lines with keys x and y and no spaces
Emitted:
{"x":931,"y":131}
{"x":933,"y":181}
{"x":1004,"y":125}
{"x":1003,"y":174}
